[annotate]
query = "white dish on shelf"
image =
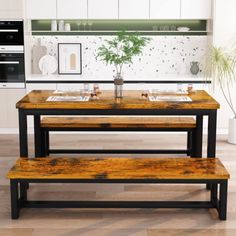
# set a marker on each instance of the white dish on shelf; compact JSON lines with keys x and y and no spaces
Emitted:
{"x":48,"y":65}
{"x":183,"y":29}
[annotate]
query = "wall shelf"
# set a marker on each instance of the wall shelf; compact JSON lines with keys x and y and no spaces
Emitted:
{"x":111,"y":27}
{"x":113,"y":32}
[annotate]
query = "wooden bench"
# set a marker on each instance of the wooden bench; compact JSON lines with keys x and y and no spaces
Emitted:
{"x":121,"y":123}
{"x":119,"y":170}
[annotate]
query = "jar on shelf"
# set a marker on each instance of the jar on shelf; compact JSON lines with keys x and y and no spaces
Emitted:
{"x":53,"y":25}
{"x":61,"y":25}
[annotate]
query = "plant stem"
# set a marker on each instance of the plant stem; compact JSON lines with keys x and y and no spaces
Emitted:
{"x":226,"y":98}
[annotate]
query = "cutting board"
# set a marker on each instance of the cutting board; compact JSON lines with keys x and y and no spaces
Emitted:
{"x":38,"y":51}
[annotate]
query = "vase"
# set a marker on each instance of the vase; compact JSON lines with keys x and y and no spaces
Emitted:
{"x":118,"y":83}
{"x":232,"y":131}
{"x":194,"y":67}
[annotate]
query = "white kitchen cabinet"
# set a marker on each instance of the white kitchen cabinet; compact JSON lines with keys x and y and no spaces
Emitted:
{"x":41,"y":9}
{"x":11,"y":9}
{"x":103,"y":9}
{"x":165,"y":9}
{"x":10,"y":5}
{"x":72,"y":9}
{"x":9,"y":113}
{"x":196,"y":9}
{"x":133,"y":9}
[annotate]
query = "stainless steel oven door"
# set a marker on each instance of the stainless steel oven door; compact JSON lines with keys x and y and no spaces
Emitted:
{"x":12,"y":69}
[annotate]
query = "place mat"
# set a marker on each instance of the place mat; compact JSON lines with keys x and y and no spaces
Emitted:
{"x":66,"y":91}
{"x":170,"y":99}
{"x":169,"y":92}
{"x":68,"y":99}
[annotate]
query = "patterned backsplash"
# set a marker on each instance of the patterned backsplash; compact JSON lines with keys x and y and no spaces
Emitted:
{"x":164,"y":55}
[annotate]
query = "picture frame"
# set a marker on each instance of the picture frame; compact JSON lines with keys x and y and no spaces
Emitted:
{"x":69,"y":58}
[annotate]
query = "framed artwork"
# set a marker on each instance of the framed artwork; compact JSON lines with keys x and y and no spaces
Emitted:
{"x":70,"y":58}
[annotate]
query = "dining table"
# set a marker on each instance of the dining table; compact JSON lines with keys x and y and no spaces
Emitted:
{"x":38,"y":103}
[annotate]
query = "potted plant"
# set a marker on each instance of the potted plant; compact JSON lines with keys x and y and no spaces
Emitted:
{"x":120,"y":51}
{"x":221,"y":65}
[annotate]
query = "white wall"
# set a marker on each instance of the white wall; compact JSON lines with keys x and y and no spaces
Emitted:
{"x":224,"y":35}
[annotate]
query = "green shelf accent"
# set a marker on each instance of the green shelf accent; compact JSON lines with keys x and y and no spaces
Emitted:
{"x":110,"y":27}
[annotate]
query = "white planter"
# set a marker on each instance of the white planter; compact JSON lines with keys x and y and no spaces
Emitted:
{"x":232,"y":131}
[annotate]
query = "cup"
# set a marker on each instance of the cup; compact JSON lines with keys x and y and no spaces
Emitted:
{"x":179,"y":88}
{"x":53,"y":25}
{"x":166,"y":28}
{"x":155,"y":28}
{"x":61,"y":25}
{"x":67,"y":27}
{"x":144,"y":94}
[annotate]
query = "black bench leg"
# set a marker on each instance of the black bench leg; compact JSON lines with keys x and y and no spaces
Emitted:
{"x":189,"y":143}
{"x":23,"y":191}
{"x":15,"y":208}
{"x":223,"y":200}
{"x":46,"y":136}
{"x":214,"y":192}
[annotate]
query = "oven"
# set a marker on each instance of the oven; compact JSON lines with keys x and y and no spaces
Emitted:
{"x":11,"y":33}
{"x":12,"y":65}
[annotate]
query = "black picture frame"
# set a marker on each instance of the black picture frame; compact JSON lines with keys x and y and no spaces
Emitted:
{"x":62,"y":70}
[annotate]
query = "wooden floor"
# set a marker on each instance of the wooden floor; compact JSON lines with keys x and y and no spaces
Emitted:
{"x":122,"y":222}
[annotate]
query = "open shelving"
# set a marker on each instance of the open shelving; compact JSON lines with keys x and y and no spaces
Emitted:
{"x":111,"y":27}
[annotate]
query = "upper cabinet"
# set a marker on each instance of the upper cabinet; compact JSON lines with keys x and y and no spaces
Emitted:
{"x":43,"y":9}
{"x":118,"y":9}
{"x":165,"y":9}
{"x":11,"y":9}
{"x":133,"y":9}
{"x":196,"y":9}
{"x":72,"y":9}
{"x":103,"y":9}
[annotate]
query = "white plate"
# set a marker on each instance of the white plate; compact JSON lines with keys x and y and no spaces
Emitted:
{"x":48,"y":64}
{"x":183,"y":29}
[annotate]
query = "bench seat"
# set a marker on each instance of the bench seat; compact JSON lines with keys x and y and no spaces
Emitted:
{"x":119,"y":170}
{"x":119,"y":123}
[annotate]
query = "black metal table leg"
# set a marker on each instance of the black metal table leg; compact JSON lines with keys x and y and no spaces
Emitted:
{"x":211,"y":139}
{"x":38,"y":137}
{"x":211,"y":136}
{"x":197,"y":137}
{"x":189,"y":143}
{"x":223,"y":200}
{"x":15,"y":208}
{"x":23,"y":137}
